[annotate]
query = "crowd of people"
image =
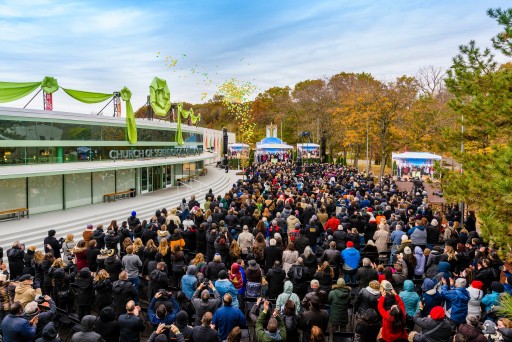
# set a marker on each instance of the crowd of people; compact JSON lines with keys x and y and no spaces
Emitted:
{"x":283,"y":256}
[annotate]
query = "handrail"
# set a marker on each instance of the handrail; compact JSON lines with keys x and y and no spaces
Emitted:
{"x":201,"y":186}
{"x":188,"y":186}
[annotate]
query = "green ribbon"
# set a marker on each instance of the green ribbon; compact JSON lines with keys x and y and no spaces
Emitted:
{"x":131,"y":128}
{"x":49,"y":85}
{"x":159,"y":96}
{"x":87,"y":96}
{"x":186,"y":114}
{"x":12,"y":91}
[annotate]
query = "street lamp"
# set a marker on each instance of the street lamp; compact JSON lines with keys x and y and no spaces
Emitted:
{"x":238,"y":156}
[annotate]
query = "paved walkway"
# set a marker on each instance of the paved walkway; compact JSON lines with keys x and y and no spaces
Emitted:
{"x":33,"y":230}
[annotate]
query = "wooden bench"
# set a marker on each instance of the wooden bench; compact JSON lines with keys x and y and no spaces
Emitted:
{"x":14,"y":213}
{"x":203,"y":172}
{"x":120,"y":194}
{"x":182,"y":180}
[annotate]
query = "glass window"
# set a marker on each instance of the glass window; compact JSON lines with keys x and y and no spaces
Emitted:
{"x":44,"y":194}
{"x":13,"y":194}
{"x":78,"y":189}
{"x":125,"y":179}
{"x":103,"y":183}
{"x":144,"y":179}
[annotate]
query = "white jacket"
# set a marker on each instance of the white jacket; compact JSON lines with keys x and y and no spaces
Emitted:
{"x":475,"y":299}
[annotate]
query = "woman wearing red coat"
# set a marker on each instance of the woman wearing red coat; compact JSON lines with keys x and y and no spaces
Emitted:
{"x":393,"y":320}
{"x":80,"y":252}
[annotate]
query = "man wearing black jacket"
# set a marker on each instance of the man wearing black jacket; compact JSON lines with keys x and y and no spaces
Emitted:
{"x":52,"y":245}
{"x":130,"y":324}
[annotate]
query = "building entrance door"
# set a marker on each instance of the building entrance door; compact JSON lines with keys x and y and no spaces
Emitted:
{"x":156,"y":177}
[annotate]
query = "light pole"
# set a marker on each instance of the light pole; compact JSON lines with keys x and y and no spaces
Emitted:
{"x":238,"y":156}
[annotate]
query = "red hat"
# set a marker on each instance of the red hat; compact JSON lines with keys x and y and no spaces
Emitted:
{"x":350,"y":244}
{"x":437,"y":313}
{"x":369,"y":210}
{"x":477,"y":284}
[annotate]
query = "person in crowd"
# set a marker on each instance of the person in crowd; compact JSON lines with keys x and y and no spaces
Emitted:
{"x":393,"y":319}
{"x":106,"y":325}
{"x":132,"y":266}
{"x":315,"y":291}
{"x":350,"y":259}
{"x":130,"y":324}
{"x":87,"y":333}
{"x":472,"y":329}
{"x":224,"y":285}
{"x":275,"y":278}
{"x":227,"y":317}
{"x":203,"y":331}
{"x":314,"y":316}
{"x":287,"y":295}
{"x":434,"y":327}
{"x":333,"y":256}
{"x":272,"y":253}
{"x":157,"y":310}
{"x":26,"y":290}
{"x":368,"y":326}
{"x":309,"y":260}
{"x":189,"y":281}
{"x":103,"y":290}
{"x":214,"y":267}
{"x":475,"y":298}
{"x":299,"y":277}
{"x":290,"y":256}
{"x":431,"y":296}
{"x":15,"y":256}
{"x":85,"y":292}
{"x":52,"y":245}
{"x":339,"y":300}
{"x":49,"y":334}
{"x":457,"y":298}
{"x":203,"y":303}
{"x":366,"y":274}
{"x":367,"y":298}
{"x":276,"y":329}
{"x":254,"y":275}
{"x":411,"y":302}
{"x":123,"y":291}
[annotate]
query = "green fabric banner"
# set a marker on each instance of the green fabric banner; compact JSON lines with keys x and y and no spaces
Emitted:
{"x":159,"y":96}
{"x":49,"y":85}
{"x":86,"y":96}
{"x":131,"y":128}
{"x":12,"y":91}
{"x":186,"y":114}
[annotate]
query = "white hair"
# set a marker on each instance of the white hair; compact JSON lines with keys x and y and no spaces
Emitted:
{"x":308,"y":251}
{"x":31,"y":307}
{"x":273,"y":242}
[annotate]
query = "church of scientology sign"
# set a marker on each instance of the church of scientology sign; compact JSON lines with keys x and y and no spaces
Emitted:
{"x":154,"y":153}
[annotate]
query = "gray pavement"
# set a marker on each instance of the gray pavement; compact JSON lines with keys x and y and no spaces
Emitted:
{"x":33,"y":230}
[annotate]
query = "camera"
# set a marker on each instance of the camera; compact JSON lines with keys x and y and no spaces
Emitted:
{"x":206,"y":282}
{"x":39,"y":299}
{"x":61,"y":240}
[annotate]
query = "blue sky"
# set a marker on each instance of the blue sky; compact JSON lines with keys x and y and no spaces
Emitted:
{"x":105,"y":45}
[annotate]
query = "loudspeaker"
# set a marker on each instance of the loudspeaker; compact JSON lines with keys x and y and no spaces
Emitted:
{"x":298,"y":166}
{"x":224,"y":141}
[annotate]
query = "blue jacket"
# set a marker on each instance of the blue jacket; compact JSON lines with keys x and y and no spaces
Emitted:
{"x":418,"y":235}
{"x":226,"y":318}
{"x":410,"y":298}
{"x":351,"y":257}
{"x":226,"y":286}
{"x":490,"y":300}
{"x":244,"y":279}
{"x":396,"y":237}
{"x":169,"y":319}
{"x":17,"y":328}
{"x":188,"y":283}
{"x":456,"y":301}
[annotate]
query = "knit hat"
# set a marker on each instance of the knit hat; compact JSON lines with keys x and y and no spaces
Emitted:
{"x":477,"y":284}
{"x":374,"y":284}
{"x":437,"y":313}
{"x":350,"y":244}
{"x":497,"y":287}
{"x":489,"y":327}
{"x":428,"y":284}
{"x":405,"y":238}
{"x":89,"y":226}
{"x":407,"y":250}
{"x":460,"y":282}
{"x":370,"y":210}
{"x":134,"y":213}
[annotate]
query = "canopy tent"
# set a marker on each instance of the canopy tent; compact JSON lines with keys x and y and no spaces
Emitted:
{"x":309,"y":150}
{"x":272,"y":148}
{"x":414,"y":164}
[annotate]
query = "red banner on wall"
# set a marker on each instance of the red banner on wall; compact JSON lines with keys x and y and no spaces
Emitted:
{"x":48,"y":101}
